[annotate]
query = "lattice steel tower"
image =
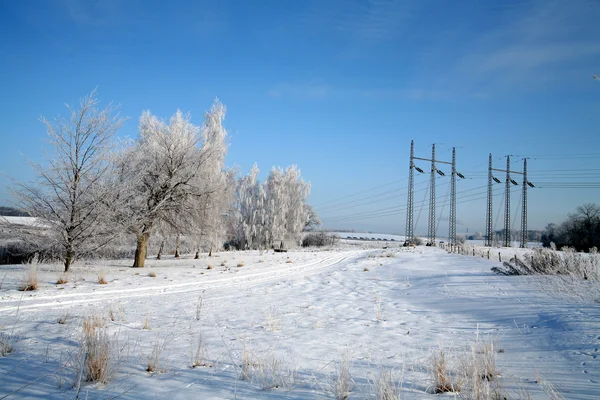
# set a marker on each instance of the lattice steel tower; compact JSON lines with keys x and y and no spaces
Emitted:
{"x":452,"y":230}
{"x":524,"y":212}
{"x":507,"y":205}
{"x":431,"y":228}
{"x":410,"y":229}
{"x":488,"y":216}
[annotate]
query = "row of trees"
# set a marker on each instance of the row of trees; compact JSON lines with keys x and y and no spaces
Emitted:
{"x":580,"y":230}
{"x":273,"y":212}
{"x":170,"y":181}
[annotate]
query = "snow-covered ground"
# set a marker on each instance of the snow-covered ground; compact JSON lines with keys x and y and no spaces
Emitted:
{"x":7,"y":220}
{"x":299,"y":313}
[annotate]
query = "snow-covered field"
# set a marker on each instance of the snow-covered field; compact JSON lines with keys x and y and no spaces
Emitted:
{"x":295,"y":316}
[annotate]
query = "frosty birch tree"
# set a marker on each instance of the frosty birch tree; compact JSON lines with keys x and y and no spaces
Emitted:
{"x":252,"y":227}
{"x":273,"y":211}
{"x":213,"y":204}
{"x":69,"y":195}
{"x":164,"y":175}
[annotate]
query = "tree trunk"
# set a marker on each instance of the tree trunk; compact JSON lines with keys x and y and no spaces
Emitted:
{"x":140,"y":251}
{"x":210,"y":252}
{"x":177,"y":246}
{"x":160,"y":250}
{"x":197,"y":256}
{"x":69,"y":259}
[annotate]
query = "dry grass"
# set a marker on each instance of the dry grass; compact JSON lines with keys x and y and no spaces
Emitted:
{"x":386,"y":386}
{"x":155,"y":358}
{"x":152,"y":274}
{"x":378,"y":309}
{"x":199,"y":308}
{"x":223,"y":263}
{"x":266,"y":370}
{"x":209,"y":266}
{"x":92,"y":323}
{"x":289,"y":261}
{"x":272,"y":320}
{"x":62,"y":320}
{"x":198,"y":352}
{"x":442,"y":380}
{"x":98,"y":364}
{"x":6,"y":343}
{"x":240,"y":264}
{"x":342,"y":381}
{"x":30,"y":279}
{"x":62,"y":279}
{"x":102,"y":277}
{"x":146,"y":325}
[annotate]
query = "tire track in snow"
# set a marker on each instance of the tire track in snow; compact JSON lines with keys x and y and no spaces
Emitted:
{"x":243,"y":281}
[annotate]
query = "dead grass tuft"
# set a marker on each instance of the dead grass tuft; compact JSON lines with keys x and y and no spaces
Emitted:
{"x":152,"y":274}
{"x":240,"y":264}
{"x":62,"y":279}
{"x":29,"y":281}
{"x":155,"y":357}
{"x":209,"y":266}
{"x":442,"y":380}
{"x":102,"y":277}
{"x":6,"y":343}
{"x":95,"y":352}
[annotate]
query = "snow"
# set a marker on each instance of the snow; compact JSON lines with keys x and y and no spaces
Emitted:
{"x":8,"y":220}
{"x":381,"y":308}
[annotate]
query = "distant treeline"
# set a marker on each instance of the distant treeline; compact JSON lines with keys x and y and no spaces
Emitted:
{"x":12,"y":212}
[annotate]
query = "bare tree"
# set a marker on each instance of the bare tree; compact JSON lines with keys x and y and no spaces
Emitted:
{"x":69,"y":195}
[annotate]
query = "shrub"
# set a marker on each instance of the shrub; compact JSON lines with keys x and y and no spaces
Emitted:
{"x":319,"y":239}
{"x":544,"y":261}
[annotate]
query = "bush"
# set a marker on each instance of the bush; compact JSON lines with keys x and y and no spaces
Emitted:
{"x":319,"y":239}
{"x":544,"y":261}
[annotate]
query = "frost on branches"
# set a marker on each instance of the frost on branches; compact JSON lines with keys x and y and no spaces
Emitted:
{"x":271,"y":213}
{"x":173,"y":175}
{"x":71,"y":194}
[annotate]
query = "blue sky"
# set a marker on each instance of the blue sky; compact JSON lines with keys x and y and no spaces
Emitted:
{"x":337,"y":87}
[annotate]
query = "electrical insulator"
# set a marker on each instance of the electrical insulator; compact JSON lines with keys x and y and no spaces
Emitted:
{"x":514,"y":182}
{"x":419,"y":169}
{"x":496,"y":179}
{"x":440,"y":172}
{"x":530,"y":184}
{"x":460,"y":175}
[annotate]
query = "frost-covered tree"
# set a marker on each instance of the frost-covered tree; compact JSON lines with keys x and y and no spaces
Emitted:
{"x":212,"y":206}
{"x":313,"y":219}
{"x":270,"y":213}
{"x":70,"y":195}
{"x":250,"y":218}
{"x":166,"y":174}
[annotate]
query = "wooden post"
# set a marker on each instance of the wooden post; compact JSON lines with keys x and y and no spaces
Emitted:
{"x":499,"y":257}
